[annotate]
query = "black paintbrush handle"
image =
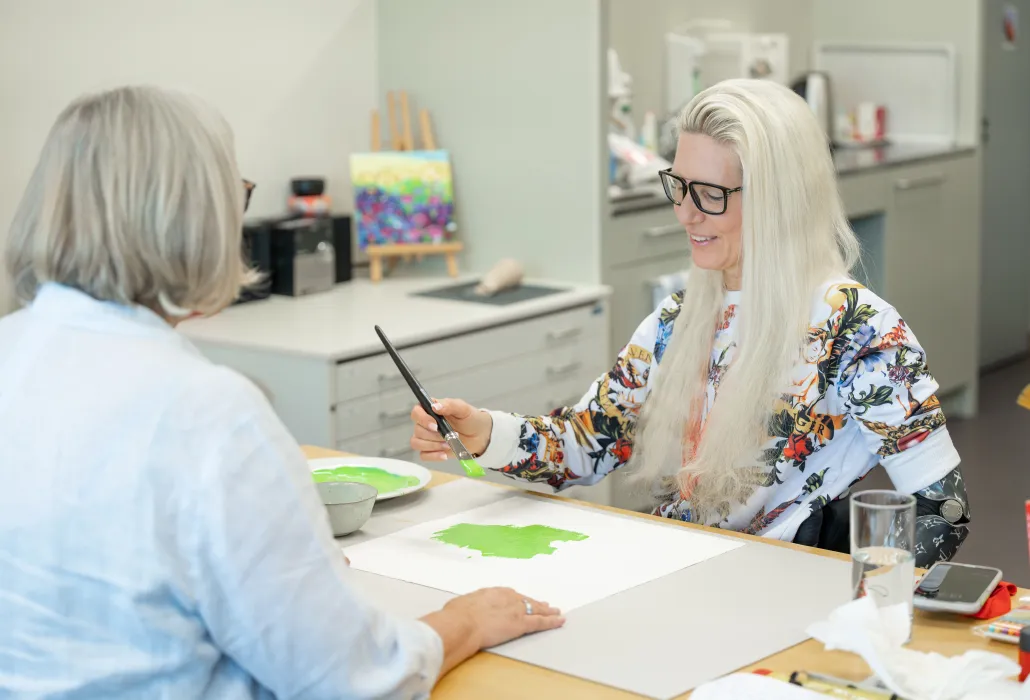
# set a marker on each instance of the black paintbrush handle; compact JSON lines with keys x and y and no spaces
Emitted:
{"x":416,"y":388}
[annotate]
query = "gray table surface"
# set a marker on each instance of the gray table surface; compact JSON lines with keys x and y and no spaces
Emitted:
{"x":659,"y":639}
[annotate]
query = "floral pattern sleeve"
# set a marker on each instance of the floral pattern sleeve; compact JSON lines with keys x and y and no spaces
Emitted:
{"x":886,"y":387}
{"x":579,"y":445}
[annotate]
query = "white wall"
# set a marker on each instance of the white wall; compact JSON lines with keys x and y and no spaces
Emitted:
{"x":637,"y":28}
{"x":957,"y":22}
{"x":295,"y":79}
{"x":514,"y":89}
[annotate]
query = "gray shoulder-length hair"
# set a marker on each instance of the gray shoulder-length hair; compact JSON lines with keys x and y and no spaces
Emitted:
{"x":136,"y":199}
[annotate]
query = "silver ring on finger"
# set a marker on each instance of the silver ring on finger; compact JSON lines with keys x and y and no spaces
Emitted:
{"x":529,"y":606}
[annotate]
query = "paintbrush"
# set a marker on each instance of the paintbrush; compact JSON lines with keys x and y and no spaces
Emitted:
{"x":449,"y":434}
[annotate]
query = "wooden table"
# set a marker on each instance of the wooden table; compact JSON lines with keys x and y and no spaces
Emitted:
{"x":487,"y":675}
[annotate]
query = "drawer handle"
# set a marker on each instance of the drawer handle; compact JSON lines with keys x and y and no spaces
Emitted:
{"x":914,"y":183}
{"x":663,"y":231}
{"x":564,"y":370}
{"x":388,"y":417}
{"x":395,"y":453}
{"x":395,"y":378}
{"x":562,"y":336}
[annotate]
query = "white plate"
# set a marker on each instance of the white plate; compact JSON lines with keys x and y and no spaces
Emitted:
{"x":394,"y":466}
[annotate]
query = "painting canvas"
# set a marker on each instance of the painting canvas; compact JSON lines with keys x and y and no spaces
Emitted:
{"x":402,"y":197}
{"x":566,"y":555}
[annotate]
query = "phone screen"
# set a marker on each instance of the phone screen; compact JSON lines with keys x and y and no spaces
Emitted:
{"x":953,"y":583}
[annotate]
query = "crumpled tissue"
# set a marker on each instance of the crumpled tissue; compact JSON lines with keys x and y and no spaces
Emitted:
{"x":878,"y":635}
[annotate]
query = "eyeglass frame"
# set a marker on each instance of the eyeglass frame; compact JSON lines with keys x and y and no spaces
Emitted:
{"x":689,"y":187}
{"x":248,"y":189}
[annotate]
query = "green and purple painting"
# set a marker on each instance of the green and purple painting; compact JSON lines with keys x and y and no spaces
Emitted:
{"x":402,"y":197}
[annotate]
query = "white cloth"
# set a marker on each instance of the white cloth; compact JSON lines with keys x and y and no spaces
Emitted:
{"x":160,"y":535}
{"x":877,"y":635}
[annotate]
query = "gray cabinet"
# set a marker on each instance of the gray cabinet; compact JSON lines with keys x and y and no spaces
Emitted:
{"x":932,"y":261}
{"x":636,"y":248}
{"x":633,"y":294}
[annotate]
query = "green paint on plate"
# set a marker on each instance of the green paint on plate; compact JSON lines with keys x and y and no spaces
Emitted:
{"x":507,"y":541}
{"x":382,"y":480}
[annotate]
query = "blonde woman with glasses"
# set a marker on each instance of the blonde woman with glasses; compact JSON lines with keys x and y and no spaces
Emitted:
{"x":754,"y":399}
{"x":160,"y":535}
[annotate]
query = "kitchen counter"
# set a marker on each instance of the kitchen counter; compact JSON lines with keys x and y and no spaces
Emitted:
{"x":847,"y":161}
{"x":850,"y":161}
{"x":339,"y":324}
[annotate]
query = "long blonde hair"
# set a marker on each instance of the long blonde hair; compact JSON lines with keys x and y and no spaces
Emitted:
{"x":136,"y":199}
{"x":794,"y":237}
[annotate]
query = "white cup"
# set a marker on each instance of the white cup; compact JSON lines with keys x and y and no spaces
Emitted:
{"x":867,"y":120}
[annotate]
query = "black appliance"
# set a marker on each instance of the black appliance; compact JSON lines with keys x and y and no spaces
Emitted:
{"x":303,"y":256}
{"x":257,"y":252}
{"x":342,"y":243}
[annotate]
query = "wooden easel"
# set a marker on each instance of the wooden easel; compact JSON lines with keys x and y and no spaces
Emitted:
{"x":401,"y":139}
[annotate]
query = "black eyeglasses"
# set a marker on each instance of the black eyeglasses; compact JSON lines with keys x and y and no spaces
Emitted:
{"x":248,"y":189}
{"x":709,"y":198}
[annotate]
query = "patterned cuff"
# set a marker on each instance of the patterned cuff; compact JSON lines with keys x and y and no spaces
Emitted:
{"x":923,"y":464}
{"x":504,"y":441}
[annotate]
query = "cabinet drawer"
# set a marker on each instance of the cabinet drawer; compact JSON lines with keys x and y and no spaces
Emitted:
{"x":642,"y":236}
{"x":541,"y":400}
{"x":372,"y":375}
{"x":540,"y":369}
{"x":392,"y":444}
{"x":596,"y":493}
{"x":863,"y":194}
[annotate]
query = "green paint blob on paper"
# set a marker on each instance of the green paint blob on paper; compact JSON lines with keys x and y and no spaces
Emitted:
{"x":507,"y":541}
{"x":382,"y":480}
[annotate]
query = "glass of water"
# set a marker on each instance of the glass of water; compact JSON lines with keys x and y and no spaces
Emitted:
{"x":882,"y":550}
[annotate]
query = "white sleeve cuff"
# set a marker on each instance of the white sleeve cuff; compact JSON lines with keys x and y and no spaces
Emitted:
{"x":923,"y":464}
{"x":504,"y":441}
{"x":432,"y":662}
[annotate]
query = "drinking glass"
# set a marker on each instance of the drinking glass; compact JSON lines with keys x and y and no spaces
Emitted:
{"x":882,"y":550}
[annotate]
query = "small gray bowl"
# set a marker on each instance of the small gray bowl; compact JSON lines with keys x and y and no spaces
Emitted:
{"x":349,"y":504}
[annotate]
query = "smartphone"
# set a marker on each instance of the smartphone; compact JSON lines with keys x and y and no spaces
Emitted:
{"x":956,"y":588}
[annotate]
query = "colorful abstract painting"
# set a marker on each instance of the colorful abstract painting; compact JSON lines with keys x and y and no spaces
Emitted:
{"x":402,"y":197}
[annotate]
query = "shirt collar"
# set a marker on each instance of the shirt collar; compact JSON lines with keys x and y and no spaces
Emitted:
{"x":74,"y":307}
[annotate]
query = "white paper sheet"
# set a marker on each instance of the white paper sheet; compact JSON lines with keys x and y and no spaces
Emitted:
{"x":619,"y":553}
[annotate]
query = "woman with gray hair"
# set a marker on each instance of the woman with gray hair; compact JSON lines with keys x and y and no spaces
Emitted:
{"x":754,"y":399}
{"x":160,"y":534}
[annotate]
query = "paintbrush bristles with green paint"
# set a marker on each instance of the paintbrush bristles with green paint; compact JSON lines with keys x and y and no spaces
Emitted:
{"x":449,"y":434}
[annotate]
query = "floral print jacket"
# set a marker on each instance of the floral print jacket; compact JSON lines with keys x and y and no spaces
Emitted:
{"x":860,"y":396}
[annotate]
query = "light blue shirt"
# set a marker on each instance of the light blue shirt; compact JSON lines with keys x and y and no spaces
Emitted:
{"x":160,"y":535}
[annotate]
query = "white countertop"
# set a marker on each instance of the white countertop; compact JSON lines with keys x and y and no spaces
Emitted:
{"x":339,"y":324}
